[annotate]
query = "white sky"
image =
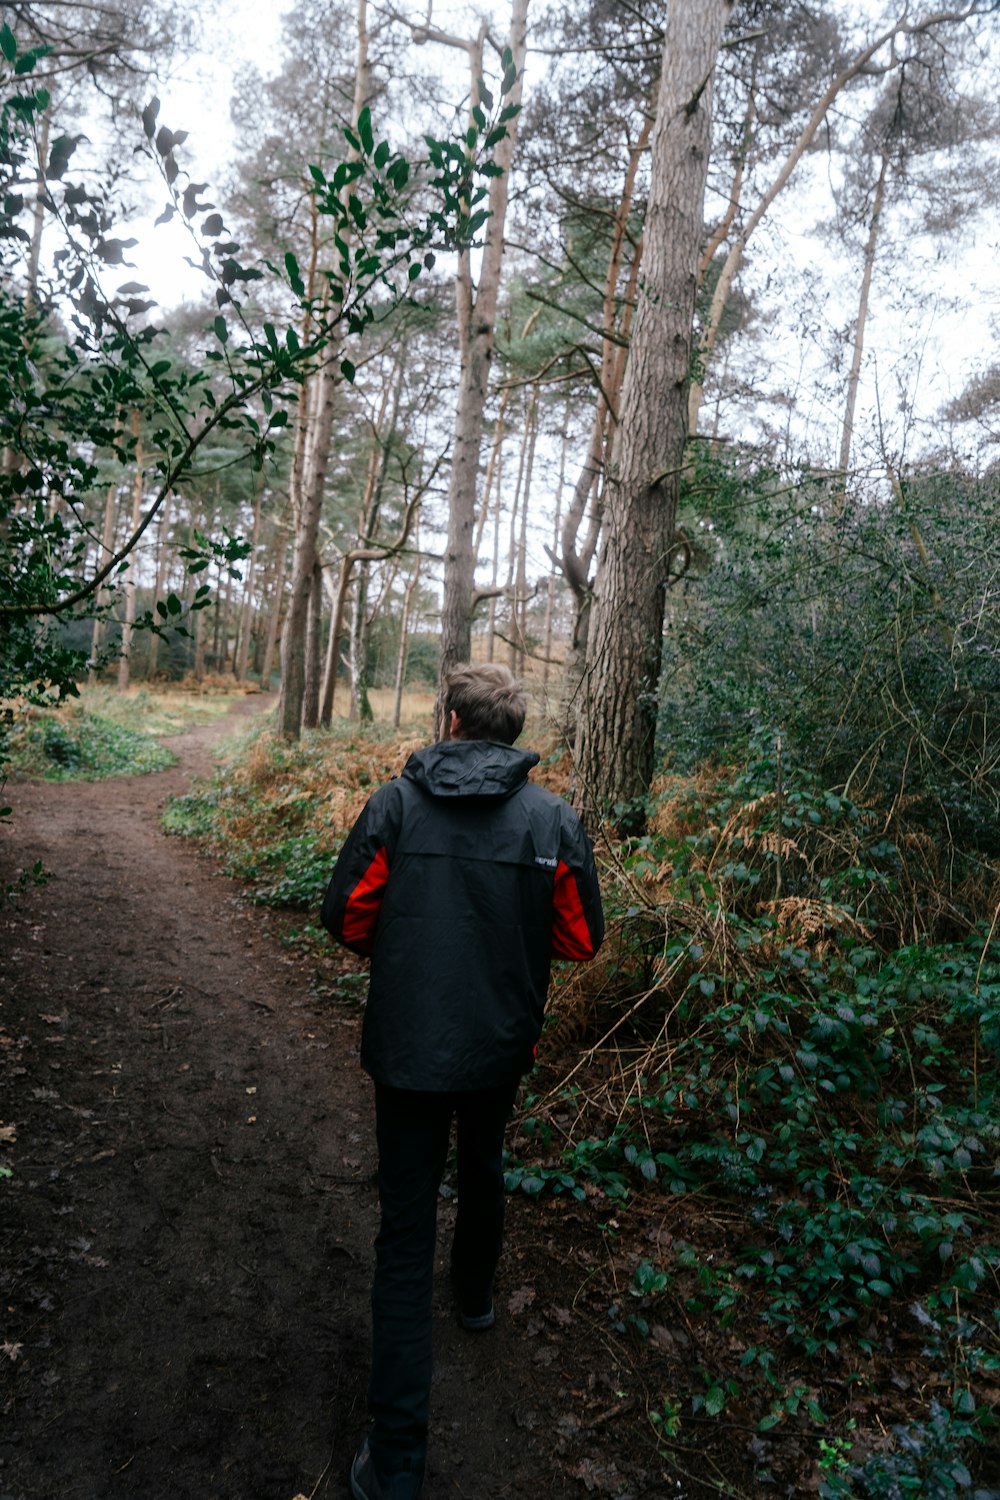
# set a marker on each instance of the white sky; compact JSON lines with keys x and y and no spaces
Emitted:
{"x":919,"y":348}
{"x":196,"y":97}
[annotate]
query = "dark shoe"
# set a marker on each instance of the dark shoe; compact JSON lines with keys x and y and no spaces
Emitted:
{"x":366,"y":1484}
{"x":476,"y":1315}
{"x":479,"y":1322}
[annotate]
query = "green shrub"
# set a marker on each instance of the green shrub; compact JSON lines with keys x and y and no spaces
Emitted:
{"x":925,"y":1460}
{"x":80,"y":746}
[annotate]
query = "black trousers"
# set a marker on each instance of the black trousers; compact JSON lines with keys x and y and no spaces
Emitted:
{"x":413,"y":1130}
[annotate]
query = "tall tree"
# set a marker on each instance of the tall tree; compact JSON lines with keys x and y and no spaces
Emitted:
{"x":477,"y":309}
{"x":888,"y":49}
{"x":619,"y":710}
{"x":309,"y":481}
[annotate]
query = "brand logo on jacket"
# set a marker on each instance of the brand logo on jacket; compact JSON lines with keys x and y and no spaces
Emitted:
{"x":550,"y":864}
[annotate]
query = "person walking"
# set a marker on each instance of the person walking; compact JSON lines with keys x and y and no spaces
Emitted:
{"x":462,"y":880}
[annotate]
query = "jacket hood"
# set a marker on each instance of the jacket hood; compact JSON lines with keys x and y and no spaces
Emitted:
{"x":470,"y":768}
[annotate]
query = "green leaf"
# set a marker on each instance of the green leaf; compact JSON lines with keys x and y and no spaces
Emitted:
{"x":7,"y":43}
{"x":294,"y":276}
{"x":318,"y":176}
{"x":347,"y":370}
{"x":485,"y":97}
{"x":365,"y":130}
{"x":149,"y":115}
{"x":174,"y":605}
{"x":715,"y":1400}
{"x":221,"y":331}
{"x":381,"y":154}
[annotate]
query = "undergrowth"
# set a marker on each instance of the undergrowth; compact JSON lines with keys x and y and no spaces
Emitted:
{"x":793,"y":1032}
{"x":277,"y":813}
{"x":774,"y":1093}
{"x":103,"y":733}
{"x":78,"y":746}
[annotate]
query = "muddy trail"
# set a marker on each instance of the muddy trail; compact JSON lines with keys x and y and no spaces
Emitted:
{"x":186,"y":1239}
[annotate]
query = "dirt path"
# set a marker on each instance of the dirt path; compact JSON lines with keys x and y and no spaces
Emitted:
{"x":185,"y":1244}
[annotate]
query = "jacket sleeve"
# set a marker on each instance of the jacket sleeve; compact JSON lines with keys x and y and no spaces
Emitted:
{"x":577,"y":914}
{"x":353,"y":898}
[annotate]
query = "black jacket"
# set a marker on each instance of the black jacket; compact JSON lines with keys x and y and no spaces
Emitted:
{"x":462,"y":880}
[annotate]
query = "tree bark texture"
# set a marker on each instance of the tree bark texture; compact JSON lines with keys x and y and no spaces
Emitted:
{"x":575,"y":556}
{"x":307,"y":506}
{"x":163,"y":557}
{"x":404,"y":637}
{"x":857,"y":352}
{"x":274,"y":621}
{"x":243,"y":654}
{"x":476,"y":332}
{"x":314,"y":652}
{"x":124,"y":661}
{"x":107,"y":548}
{"x":617,"y":726}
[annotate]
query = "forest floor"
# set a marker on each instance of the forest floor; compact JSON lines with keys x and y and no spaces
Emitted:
{"x":186,"y":1236}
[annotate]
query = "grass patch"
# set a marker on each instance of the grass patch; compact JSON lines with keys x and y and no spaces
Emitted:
{"x":104,"y":733}
{"x":61,"y":745}
{"x":155,"y":712}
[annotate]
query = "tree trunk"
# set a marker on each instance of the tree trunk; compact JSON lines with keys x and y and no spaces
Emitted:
{"x":129,"y":620}
{"x":162,"y":564}
{"x":854,"y":378}
{"x":404,"y":636}
{"x":476,"y":334}
{"x":550,"y":584}
{"x":491,"y":619}
{"x":576,"y":558}
{"x":293,"y":637}
{"x":243,"y":654}
{"x":339,"y":606}
{"x":356,"y":641}
{"x":274,"y":622}
{"x":615,"y":739}
{"x":519,"y":593}
{"x":107,"y":541}
{"x":313,"y":652}
{"x":38,"y":213}
{"x":199,"y":646}
{"x":308,"y":508}
{"x":220,"y":641}
{"x":522,"y":551}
